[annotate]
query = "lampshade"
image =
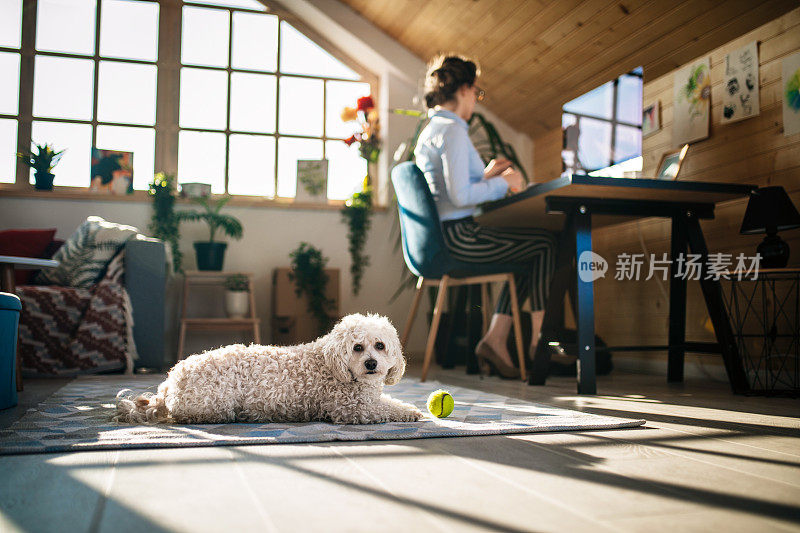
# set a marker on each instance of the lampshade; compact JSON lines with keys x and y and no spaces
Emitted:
{"x":769,"y":210}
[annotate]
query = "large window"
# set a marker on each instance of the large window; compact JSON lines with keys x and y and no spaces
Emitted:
{"x":245,"y":93}
{"x":603,"y":128}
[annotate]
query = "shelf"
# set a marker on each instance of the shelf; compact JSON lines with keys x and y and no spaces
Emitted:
{"x":214,"y":273}
{"x":219,"y":323}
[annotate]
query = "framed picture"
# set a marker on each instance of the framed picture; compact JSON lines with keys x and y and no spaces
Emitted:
{"x":651,"y":119}
{"x":312,"y":180}
{"x":670,"y":164}
{"x":112,"y":172}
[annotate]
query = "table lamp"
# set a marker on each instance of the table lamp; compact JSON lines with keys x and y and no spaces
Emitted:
{"x":769,"y":211}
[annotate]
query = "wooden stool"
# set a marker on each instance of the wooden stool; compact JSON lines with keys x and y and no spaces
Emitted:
{"x":198,"y":277}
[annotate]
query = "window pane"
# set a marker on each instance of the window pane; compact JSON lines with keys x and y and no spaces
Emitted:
{"x":346,"y":170}
{"x":594,"y":144}
{"x":338,"y":95}
{"x":74,"y":169}
{"x":201,"y":158}
{"x":597,"y":103}
{"x":628,"y":143}
{"x":289,"y":151}
{"x":255,"y":41}
{"x":129,"y":30}
{"x":301,"y":55}
{"x":66,"y":26}
{"x":300,"y":107}
{"x":62,"y":87}
{"x":127,"y":93}
{"x":8,"y":147}
{"x":253,"y":102}
{"x":10,"y":23}
{"x":140,"y":141}
{"x":629,"y":99}
{"x":204,"y":98}
{"x":251,"y":167}
{"x":247,"y":4}
{"x":205,"y":37}
{"x":9,"y":83}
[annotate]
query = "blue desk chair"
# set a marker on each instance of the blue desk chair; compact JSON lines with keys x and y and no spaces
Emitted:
{"x":428,"y":257}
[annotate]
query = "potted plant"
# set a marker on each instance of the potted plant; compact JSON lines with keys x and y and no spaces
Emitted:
{"x":308,"y":274}
{"x":43,"y":160}
{"x":211,"y":253}
{"x":237,"y":296}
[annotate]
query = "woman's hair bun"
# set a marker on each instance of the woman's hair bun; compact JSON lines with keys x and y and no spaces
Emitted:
{"x":446,"y":74}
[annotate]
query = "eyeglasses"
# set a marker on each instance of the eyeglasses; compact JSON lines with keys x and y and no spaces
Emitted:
{"x":480,"y":94}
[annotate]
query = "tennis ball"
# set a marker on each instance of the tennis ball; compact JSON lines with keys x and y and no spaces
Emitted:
{"x":441,"y":403}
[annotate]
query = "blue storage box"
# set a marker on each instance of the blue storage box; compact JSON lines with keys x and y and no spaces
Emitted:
{"x":10,"y":307}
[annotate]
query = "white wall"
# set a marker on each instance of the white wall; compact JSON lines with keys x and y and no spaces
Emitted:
{"x":271,"y":233}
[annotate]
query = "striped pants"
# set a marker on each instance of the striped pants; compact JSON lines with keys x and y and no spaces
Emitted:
{"x":471,"y":243}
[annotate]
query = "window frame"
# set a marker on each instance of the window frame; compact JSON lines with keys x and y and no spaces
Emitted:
{"x":167,"y":127}
{"x":614,"y":121}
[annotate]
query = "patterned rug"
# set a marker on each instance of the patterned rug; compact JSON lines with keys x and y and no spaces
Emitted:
{"x":78,"y":417}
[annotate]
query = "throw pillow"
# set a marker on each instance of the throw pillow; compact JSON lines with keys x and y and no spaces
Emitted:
{"x":84,"y":256}
{"x":25,"y":243}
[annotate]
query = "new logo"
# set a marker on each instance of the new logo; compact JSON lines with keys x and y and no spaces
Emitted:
{"x":591,"y":266}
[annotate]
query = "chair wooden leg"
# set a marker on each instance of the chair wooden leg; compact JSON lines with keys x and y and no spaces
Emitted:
{"x":181,"y":340}
{"x":512,"y":290}
{"x":486,"y":313}
{"x":437,"y":315}
{"x":412,"y":313}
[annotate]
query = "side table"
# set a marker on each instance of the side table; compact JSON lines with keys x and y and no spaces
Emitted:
{"x":9,"y":263}
{"x":765,"y":316}
{"x":203,"y":277}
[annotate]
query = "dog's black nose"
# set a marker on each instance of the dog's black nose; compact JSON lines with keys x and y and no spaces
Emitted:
{"x":371,"y":364}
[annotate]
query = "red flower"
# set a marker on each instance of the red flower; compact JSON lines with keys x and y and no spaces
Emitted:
{"x":350,"y":141}
{"x":365,"y":103}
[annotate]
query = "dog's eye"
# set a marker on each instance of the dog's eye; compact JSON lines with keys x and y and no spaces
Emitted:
{"x":379,"y":345}
{"x":358,"y":348}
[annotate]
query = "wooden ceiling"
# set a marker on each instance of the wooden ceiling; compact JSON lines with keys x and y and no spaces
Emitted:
{"x":535,"y":55}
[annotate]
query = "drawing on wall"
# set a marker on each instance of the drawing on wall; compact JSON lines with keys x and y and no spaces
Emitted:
{"x":692,"y":103}
{"x":740,"y":99}
{"x":791,"y":94}
{"x":651,"y":119}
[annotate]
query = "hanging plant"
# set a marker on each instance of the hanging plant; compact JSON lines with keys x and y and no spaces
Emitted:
{"x":164,"y":223}
{"x":357,"y":210}
{"x":308,"y":274}
{"x":357,"y":213}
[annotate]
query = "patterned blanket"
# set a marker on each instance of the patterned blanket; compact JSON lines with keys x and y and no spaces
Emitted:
{"x":65,"y":331}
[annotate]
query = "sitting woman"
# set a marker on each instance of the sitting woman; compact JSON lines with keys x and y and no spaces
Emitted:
{"x":458,"y":180}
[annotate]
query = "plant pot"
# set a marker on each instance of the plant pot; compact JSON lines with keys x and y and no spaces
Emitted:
{"x":237,"y":304}
{"x":210,"y":255}
{"x":43,"y":181}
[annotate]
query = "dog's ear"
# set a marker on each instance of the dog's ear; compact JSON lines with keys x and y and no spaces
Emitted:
{"x":399,"y":367}
{"x":335,"y":349}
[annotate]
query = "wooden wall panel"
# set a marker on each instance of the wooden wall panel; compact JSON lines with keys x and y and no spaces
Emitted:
{"x":751,"y":151}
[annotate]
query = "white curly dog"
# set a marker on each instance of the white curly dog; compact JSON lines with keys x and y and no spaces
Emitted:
{"x":337,"y":378}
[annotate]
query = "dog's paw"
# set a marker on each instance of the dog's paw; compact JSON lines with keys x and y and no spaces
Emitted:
{"x":412,"y":414}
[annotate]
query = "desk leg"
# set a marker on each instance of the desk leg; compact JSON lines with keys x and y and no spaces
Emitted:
{"x":554,"y":308}
{"x":712,"y":292}
{"x":584,"y":307}
{"x":677,"y":306}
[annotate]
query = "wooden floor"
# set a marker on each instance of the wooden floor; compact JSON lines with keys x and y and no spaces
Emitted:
{"x":705,"y":461}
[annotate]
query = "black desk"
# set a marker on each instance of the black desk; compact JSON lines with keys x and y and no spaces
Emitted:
{"x":576,"y":204}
